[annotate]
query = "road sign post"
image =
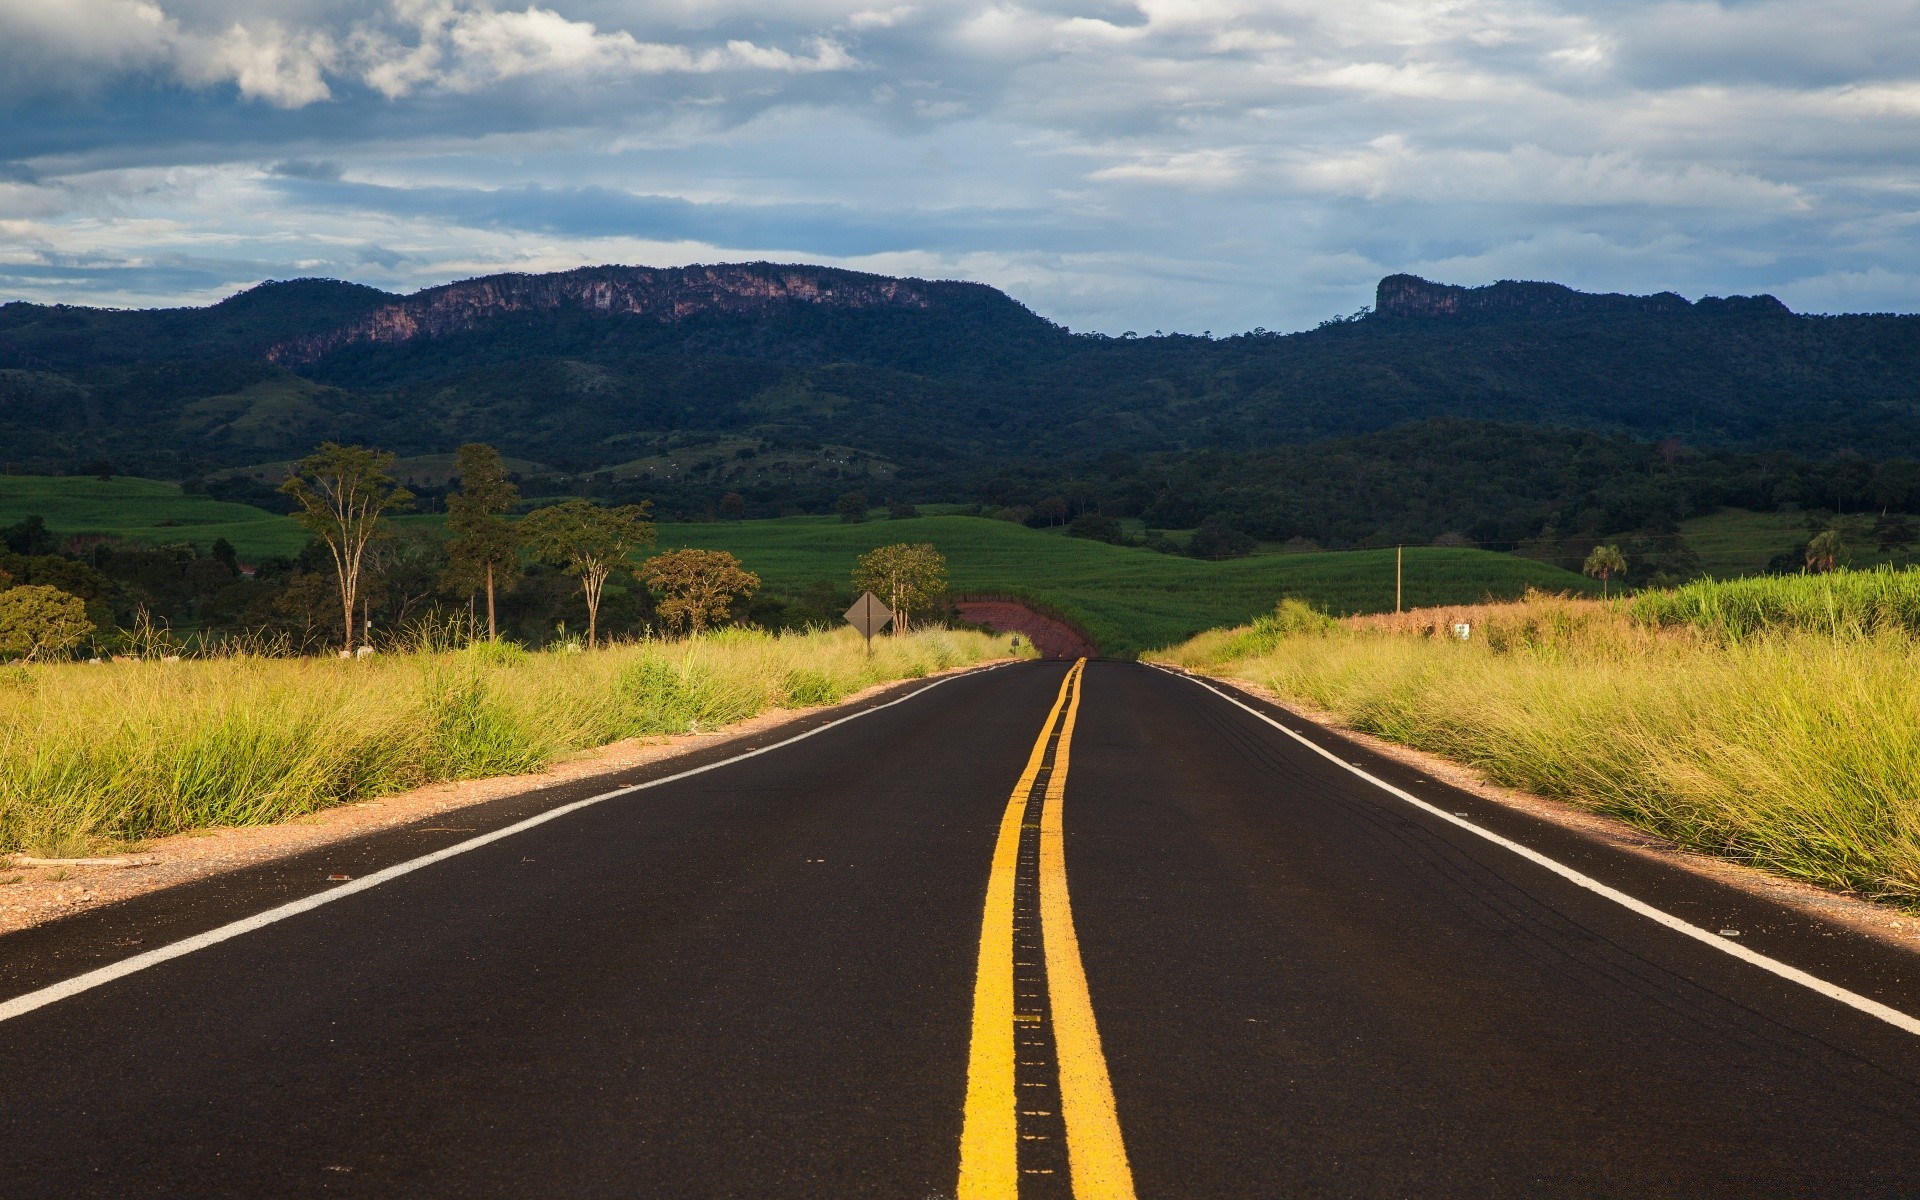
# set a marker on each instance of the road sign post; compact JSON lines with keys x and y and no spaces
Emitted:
{"x":869,"y":616}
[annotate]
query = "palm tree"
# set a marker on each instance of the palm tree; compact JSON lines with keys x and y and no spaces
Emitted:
{"x":1604,"y":563}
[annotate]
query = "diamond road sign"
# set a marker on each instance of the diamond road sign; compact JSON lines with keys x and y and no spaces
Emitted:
{"x":868,"y":615}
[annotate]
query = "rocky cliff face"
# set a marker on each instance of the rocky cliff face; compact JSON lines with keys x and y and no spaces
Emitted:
{"x":666,"y":295}
{"x":1412,"y":296}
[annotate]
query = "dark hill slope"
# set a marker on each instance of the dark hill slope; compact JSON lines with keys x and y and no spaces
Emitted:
{"x":604,"y":365}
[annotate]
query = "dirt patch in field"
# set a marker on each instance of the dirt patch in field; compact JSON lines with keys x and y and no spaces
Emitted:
{"x":1052,"y":638}
{"x":32,"y":894}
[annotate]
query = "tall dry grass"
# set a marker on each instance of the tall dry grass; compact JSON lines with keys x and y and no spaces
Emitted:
{"x":1793,"y":746}
{"x":94,"y":755}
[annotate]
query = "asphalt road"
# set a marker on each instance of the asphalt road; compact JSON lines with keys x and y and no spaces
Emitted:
{"x":776,"y":977}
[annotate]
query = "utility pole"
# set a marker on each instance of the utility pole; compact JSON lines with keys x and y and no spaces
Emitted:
{"x":1397,"y":551}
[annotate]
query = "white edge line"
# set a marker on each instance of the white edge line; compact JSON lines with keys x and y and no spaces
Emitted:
{"x":87,"y":981}
{"x":1871,"y":1007}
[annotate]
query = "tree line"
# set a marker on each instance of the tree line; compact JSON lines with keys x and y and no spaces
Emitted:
{"x":57,"y":595}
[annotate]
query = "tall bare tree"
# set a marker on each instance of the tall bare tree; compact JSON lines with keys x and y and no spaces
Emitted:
{"x":911,"y":576}
{"x":343,"y":491}
{"x":483,"y":549}
{"x":587,"y":541}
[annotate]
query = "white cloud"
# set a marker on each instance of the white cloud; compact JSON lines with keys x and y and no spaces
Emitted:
{"x":267,"y":63}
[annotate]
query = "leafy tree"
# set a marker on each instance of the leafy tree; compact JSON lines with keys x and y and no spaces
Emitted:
{"x":852,"y":507}
{"x":1216,"y":539}
{"x":1893,"y":532}
{"x":587,"y":541}
{"x":483,"y":551}
{"x":733,"y":506}
{"x":1097,"y":527}
{"x":697,"y":588}
{"x":1604,"y":563}
{"x":342,"y":492}
{"x":37,"y":621}
{"x":1824,"y":551}
{"x":901,"y":512}
{"x":909,"y":576}
{"x":29,"y":536}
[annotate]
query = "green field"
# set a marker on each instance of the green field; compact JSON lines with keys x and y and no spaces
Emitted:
{"x":1129,"y":599}
{"x":1735,"y":542}
{"x":145,"y":510}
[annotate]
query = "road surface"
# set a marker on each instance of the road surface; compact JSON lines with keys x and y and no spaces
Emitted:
{"x":1035,"y":931}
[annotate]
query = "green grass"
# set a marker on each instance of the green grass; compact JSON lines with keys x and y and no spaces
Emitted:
{"x":1880,"y":600}
{"x":102,"y":755}
{"x":1792,"y":747}
{"x":146,"y":510}
{"x":1735,"y":542}
{"x":1129,"y":599}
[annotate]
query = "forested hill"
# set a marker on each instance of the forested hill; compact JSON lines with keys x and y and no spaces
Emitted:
{"x":589,"y":369}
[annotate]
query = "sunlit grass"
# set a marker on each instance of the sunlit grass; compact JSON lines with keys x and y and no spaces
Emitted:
{"x":1784,"y":741}
{"x":114,"y":753}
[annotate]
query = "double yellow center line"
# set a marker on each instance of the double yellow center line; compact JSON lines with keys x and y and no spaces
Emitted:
{"x":1036,"y":1076}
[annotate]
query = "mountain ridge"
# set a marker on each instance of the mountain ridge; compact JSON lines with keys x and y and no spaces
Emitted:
{"x":1410,"y":296}
{"x":600,"y":366}
{"x":667,"y":295}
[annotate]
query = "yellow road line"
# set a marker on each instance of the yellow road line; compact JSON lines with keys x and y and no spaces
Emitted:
{"x":989,"y":1139}
{"x":1096,"y":1154}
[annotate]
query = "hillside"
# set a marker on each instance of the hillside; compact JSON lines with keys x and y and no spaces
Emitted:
{"x":589,"y":369}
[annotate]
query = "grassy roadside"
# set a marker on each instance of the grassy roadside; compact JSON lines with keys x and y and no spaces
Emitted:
{"x":1790,"y":745}
{"x":94,"y":756}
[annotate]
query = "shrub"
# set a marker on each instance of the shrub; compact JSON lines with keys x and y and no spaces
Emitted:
{"x":1098,"y":528}
{"x":41,"y":622}
{"x":1216,"y":540}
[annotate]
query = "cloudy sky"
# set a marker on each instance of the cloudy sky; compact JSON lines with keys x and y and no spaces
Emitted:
{"x":1199,"y":165}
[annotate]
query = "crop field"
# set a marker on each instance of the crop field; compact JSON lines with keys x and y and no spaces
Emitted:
{"x":1128,"y":598}
{"x":145,"y":510}
{"x":1768,"y":720}
{"x":1735,"y":542}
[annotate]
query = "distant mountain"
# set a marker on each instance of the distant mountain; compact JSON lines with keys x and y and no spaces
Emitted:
{"x":667,"y":297}
{"x":590,"y":369}
{"x":1412,"y":296}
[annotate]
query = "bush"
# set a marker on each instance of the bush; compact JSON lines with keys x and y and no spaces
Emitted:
{"x":41,"y":622}
{"x":1097,"y":528}
{"x":1289,"y":618}
{"x":1217,"y":540}
{"x":851,"y":507}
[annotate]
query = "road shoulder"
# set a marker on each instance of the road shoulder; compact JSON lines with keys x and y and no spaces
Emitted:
{"x":1883,"y":923}
{"x":361,"y":832}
